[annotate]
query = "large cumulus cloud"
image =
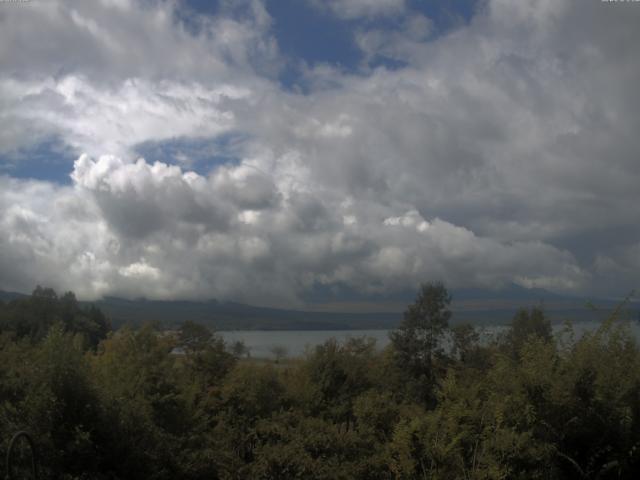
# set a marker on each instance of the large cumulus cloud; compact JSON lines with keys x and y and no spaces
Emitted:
{"x":504,"y":151}
{"x":155,"y":230}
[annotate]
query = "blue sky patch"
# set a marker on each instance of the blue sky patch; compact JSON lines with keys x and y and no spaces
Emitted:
{"x":310,"y":35}
{"x":50,"y":160}
{"x":307,"y":36}
{"x":200,"y":155}
{"x":448,"y":14}
{"x":307,"y":33}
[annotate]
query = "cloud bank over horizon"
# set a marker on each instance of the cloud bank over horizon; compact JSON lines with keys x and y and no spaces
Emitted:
{"x":203,"y":162}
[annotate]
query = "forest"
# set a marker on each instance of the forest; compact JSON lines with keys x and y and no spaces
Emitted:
{"x":437,"y":403}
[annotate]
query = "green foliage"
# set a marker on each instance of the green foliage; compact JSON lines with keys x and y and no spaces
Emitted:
{"x":417,"y":343}
{"x":527,"y":324}
{"x":206,"y":358}
{"x":33,"y":316}
{"x":337,"y":374}
{"x":162,"y":405}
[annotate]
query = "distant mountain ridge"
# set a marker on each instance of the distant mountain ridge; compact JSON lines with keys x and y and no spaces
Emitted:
{"x":476,"y":306}
{"x":8,"y":296}
{"x":237,"y":316}
{"x":510,"y":292}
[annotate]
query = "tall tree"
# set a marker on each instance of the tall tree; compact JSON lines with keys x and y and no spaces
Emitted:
{"x":417,"y":342}
{"x":525,"y":325}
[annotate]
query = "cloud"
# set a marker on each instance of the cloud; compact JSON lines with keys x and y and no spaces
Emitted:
{"x":112,"y":74}
{"x":108,"y":41}
{"x":400,"y":44}
{"x":351,"y":9}
{"x":98,"y":120}
{"x":140,"y":271}
{"x":157,"y":231}
{"x":500,"y":152}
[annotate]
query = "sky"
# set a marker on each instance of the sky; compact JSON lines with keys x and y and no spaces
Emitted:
{"x":277,"y":151}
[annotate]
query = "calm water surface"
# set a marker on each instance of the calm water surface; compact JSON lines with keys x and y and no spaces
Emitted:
{"x":261,"y":342}
{"x":296,"y":342}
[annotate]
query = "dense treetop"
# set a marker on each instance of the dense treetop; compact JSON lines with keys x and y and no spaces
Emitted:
{"x":436,"y":403}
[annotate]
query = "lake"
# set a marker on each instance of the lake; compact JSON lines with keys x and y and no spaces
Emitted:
{"x":261,"y":342}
